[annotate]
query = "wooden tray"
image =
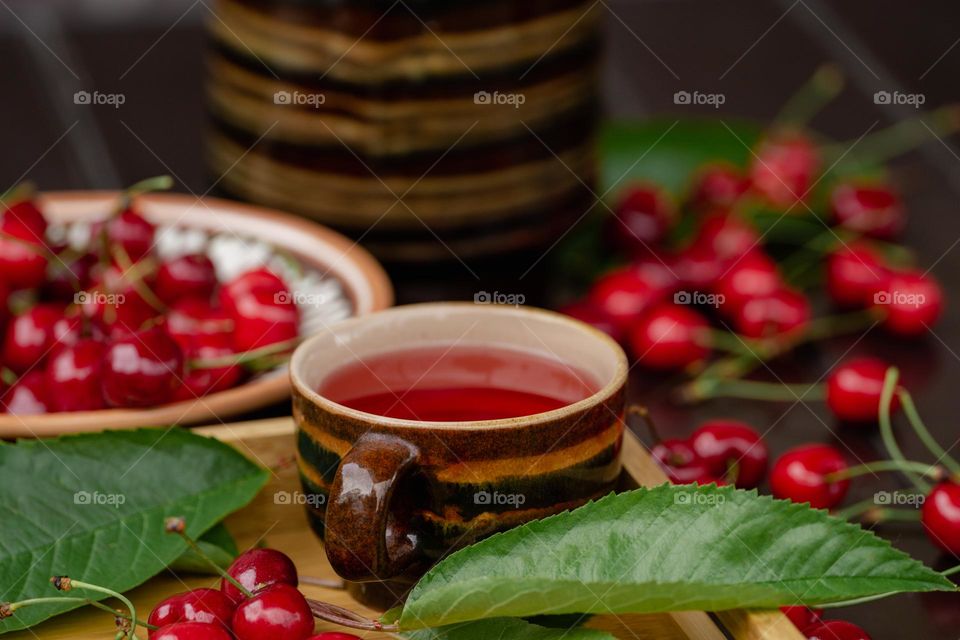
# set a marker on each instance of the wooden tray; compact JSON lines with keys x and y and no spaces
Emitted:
{"x":274,"y":520}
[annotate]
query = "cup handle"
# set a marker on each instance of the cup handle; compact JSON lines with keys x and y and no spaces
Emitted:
{"x":362,"y":541}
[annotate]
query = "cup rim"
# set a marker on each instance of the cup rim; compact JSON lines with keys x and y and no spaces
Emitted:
{"x":617,"y":381}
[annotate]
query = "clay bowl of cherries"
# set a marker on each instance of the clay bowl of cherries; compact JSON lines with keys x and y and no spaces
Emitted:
{"x":130,"y":309}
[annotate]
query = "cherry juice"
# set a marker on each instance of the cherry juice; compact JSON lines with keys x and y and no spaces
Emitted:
{"x":457,"y":383}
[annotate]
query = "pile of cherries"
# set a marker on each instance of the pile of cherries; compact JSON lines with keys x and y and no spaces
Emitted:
{"x":270,"y":607}
{"x":113,"y":325}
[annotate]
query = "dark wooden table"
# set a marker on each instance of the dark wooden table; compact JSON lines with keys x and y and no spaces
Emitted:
{"x":755,"y":53}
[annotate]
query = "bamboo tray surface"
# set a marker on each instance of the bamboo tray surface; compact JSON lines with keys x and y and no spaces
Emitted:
{"x":274,"y":519}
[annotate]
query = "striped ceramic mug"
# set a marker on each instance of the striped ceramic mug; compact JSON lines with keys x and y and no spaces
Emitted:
{"x":391,"y":496}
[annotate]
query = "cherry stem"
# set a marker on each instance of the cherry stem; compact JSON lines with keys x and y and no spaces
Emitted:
{"x":329,"y":583}
{"x":178,"y":526}
{"x":644,"y":413}
{"x":753,"y":390}
{"x":346,"y":618}
{"x":886,"y":427}
{"x":824,"y":85}
{"x":898,"y":138}
{"x":868,"y":511}
{"x":950,"y":572}
{"x":931,"y":471}
{"x":245,"y":357}
{"x":18,"y":193}
{"x":64,"y":583}
{"x":136,"y":271}
{"x":723,"y":341}
{"x":7,"y":376}
{"x":910,"y":411}
{"x":156,"y":183}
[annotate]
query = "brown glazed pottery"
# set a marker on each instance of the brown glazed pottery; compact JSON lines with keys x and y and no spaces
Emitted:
{"x":389,"y":496}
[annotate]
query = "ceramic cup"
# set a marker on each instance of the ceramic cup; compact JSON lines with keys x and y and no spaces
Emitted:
{"x":390,"y":496}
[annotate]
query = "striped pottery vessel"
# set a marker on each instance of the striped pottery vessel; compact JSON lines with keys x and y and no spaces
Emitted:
{"x":424,"y":127}
{"x":389,"y":496}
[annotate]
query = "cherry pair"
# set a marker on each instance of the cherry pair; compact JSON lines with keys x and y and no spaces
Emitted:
{"x":719,"y":451}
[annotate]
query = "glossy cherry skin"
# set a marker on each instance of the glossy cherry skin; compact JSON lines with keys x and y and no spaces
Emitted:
{"x":209,"y":606}
{"x":729,"y":445}
{"x":799,"y":475}
{"x":719,"y":185}
{"x":278,"y":611}
{"x":334,"y":635}
{"x":27,"y":396}
{"x":835,"y":630}
{"x":259,"y":568}
{"x":128,"y":230}
{"x":784,"y":168}
{"x":142,"y":369}
{"x":802,"y":617}
{"x":193,"y":317}
{"x":755,"y":275}
{"x":113,"y":304}
{"x":591,"y":314}
{"x":781,"y":312}
{"x":669,"y":337}
{"x":913,"y":304}
{"x":199,"y":380}
{"x":23,"y":250}
{"x":31,"y":336}
{"x":641,"y":220}
{"x":941,"y":516}
{"x":855,"y":274}
{"x":658,"y":270}
{"x":623,"y":296}
{"x":72,"y":377}
{"x":871,"y":210}
{"x":681,"y":463}
{"x":262,"y":308}
{"x":188,"y":276}
{"x":699,"y":267}
{"x":854,"y":388}
{"x":66,"y":277}
{"x":191,"y":631}
{"x":726,"y":236}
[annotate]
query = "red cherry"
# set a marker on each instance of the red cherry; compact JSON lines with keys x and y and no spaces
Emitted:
{"x":836,"y":630}
{"x":72,"y":377}
{"x":592,"y":315}
{"x":912,"y":302}
{"x":114,"y":304}
{"x":781,"y":312}
{"x":142,"y":369}
{"x":66,"y":278}
{"x":658,"y":271}
{"x":726,"y":236}
{"x":259,"y":568}
{"x":669,"y":337}
{"x":872,"y":210}
{"x":26,"y":213}
{"x":31,"y":336}
{"x":278,"y":611}
{"x":23,"y":253}
{"x":190,"y":631}
{"x":719,"y":185}
{"x":728,"y":445}
{"x":204,"y":380}
{"x":189,"y":276}
{"x":27,"y":396}
{"x":755,"y":275}
{"x":641,"y":219}
{"x":802,"y":617}
{"x":799,"y":475}
{"x":262,"y":308}
{"x":193,"y":317}
{"x":128,"y":230}
{"x":681,"y":463}
{"x":783,"y":169}
{"x":854,"y":388}
{"x":855,"y":274}
{"x":208,"y":606}
{"x":624,"y":297}
{"x":941,"y":516}
{"x":334,"y":635}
